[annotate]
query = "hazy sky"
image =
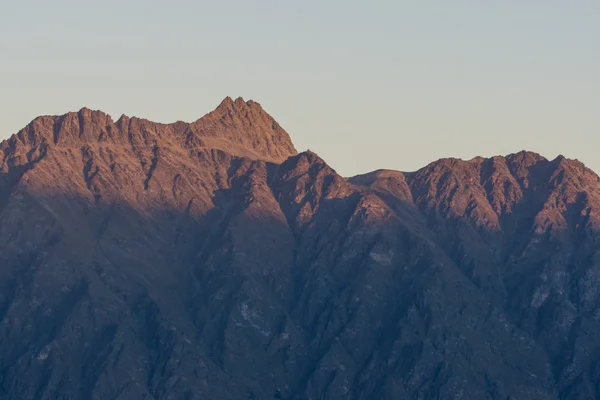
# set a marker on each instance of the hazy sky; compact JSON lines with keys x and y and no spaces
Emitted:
{"x":365,"y":84}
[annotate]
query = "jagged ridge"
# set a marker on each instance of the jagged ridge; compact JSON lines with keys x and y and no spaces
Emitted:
{"x":210,"y":260}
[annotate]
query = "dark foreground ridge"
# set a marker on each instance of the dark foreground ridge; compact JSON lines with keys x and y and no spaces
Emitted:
{"x":209,"y":260}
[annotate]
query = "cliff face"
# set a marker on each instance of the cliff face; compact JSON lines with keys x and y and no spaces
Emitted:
{"x":210,"y":260}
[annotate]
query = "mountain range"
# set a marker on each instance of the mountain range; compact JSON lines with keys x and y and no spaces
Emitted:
{"x":211,"y":260}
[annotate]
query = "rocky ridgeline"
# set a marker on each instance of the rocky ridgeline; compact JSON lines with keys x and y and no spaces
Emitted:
{"x":210,"y":260}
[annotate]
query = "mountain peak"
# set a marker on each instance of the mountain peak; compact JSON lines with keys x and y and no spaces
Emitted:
{"x":247,"y":128}
{"x":85,"y":111}
{"x":228,"y":103}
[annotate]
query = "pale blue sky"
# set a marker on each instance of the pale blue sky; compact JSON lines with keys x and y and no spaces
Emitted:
{"x":365,"y":84}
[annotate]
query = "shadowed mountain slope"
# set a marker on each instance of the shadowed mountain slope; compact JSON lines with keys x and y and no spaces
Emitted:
{"x":211,"y":260}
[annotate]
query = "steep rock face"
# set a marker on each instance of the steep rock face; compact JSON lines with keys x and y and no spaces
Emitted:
{"x":535,"y":252}
{"x":210,"y":260}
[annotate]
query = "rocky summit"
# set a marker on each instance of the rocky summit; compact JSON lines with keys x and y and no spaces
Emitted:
{"x":210,"y":260}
